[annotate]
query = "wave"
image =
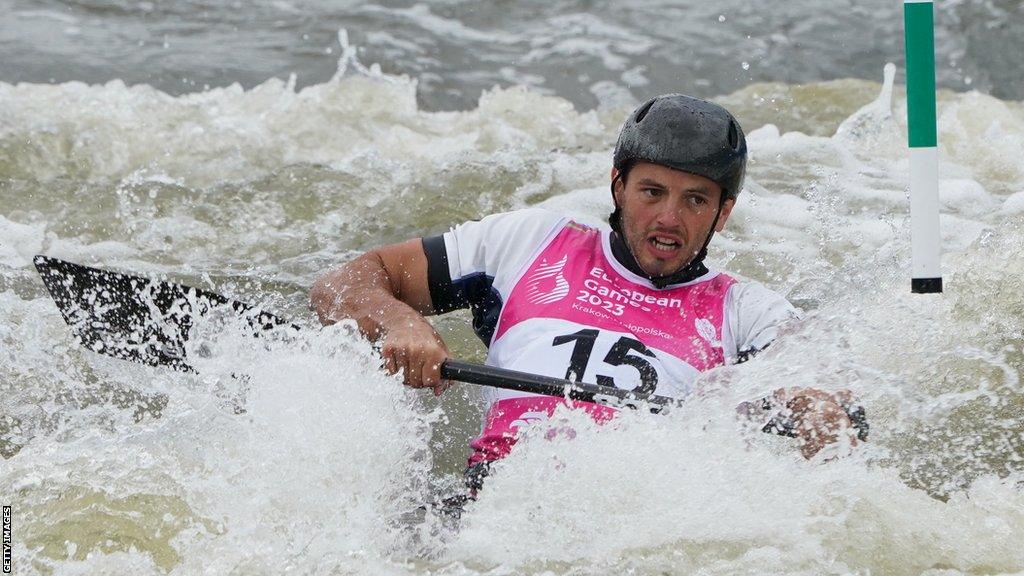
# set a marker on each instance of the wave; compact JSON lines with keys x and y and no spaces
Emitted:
{"x":257,"y":191}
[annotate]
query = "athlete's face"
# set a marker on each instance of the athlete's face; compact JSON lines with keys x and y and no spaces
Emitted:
{"x":667,"y":215}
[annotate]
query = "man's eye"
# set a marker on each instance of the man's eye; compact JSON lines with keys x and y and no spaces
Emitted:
{"x":652,"y":192}
{"x":698,"y":200}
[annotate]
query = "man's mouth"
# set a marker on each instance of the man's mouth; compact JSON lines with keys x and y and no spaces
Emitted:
{"x":664,"y":244}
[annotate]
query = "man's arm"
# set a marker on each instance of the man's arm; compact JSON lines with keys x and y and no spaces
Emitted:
{"x":386,"y":292}
{"x":816,"y":418}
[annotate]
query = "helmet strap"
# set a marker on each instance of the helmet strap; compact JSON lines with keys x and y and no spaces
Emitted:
{"x":693,"y":270}
{"x":718,"y":214}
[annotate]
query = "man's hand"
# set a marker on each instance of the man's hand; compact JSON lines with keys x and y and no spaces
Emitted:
{"x":819,"y":418}
{"x":413,"y":347}
{"x":385,"y":291}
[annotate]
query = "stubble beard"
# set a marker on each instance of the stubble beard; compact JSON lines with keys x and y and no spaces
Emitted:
{"x":637,"y":242}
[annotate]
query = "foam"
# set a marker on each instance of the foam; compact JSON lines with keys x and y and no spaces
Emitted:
{"x":19,"y":242}
{"x":275,"y":184}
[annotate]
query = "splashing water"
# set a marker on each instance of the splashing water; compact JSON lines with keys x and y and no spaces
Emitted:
{"x":297,"y":453}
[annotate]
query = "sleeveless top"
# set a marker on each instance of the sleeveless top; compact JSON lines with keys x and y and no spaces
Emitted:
{"x":548,"y":297}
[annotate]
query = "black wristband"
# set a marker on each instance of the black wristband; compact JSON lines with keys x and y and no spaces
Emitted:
{"x":858,"y":418}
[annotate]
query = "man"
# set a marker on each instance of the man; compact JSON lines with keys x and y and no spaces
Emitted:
{"x":634,"y":307}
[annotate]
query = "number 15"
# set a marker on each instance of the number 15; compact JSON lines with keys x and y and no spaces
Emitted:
{"x":617,"y":356}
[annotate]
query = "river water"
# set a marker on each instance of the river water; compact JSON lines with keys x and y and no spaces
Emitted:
{"x":247,"y":147}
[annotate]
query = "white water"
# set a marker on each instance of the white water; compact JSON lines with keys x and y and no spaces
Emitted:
{"x":256,"y":192}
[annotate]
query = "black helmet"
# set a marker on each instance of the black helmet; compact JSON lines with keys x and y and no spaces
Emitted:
{"x":687,"y":134}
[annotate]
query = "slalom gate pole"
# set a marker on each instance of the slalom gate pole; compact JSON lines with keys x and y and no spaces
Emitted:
{"x":925,"y":239}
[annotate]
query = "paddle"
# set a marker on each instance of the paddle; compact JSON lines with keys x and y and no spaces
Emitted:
{"x":147,"y":321}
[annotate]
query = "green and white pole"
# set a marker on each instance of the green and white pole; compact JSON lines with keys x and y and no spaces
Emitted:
{"x":925,"y":241}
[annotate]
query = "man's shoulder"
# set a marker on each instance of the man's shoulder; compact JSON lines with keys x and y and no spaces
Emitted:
{"x":750,"y":286}
{"x":525,"y":216}
{"x":500,"y":241}
{"x":517,"y":226}
{"x":746,"y":293}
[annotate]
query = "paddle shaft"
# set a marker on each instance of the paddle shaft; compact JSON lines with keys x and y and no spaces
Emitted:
{"x":549,"y":386}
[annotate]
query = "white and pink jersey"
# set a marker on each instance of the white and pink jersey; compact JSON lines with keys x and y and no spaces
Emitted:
{"x":548,"y":297}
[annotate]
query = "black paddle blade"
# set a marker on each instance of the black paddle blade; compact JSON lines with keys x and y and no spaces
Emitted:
{"x":134,"y":318}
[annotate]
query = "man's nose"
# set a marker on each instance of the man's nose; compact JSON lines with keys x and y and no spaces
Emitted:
{"x":668,"y":216}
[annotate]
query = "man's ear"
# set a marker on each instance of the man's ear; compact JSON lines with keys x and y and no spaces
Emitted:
{"x":617,"y":187}
{"x":724,"y":214}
